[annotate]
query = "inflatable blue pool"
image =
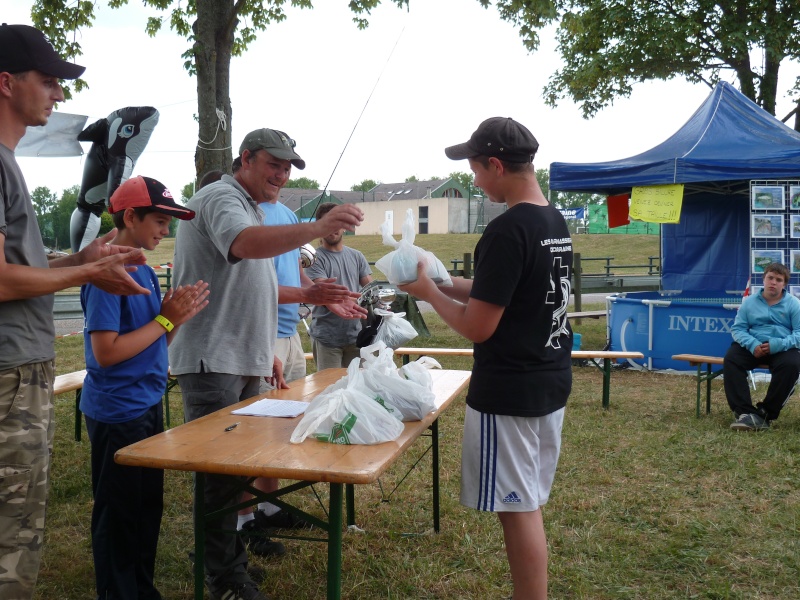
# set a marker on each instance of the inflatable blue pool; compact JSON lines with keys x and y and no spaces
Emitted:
{"x":660,"y":324}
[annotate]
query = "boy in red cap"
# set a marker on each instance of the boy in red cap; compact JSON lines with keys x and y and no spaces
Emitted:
{"x":125,"y":342}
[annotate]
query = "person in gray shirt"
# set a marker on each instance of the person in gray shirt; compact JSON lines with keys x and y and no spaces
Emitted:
{"x":334,"y":338}
{"x":220,"y":356}
{"x":29,"y":73}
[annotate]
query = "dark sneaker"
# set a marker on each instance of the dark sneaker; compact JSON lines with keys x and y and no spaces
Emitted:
{"x":258,"y":543}
{"x":280,"y":520}
{"x":236,"y":591}
{"x":750,"y":422}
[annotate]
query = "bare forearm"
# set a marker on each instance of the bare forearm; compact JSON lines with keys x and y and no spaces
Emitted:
{"x":18,"y":282}
{"x":453,"y":313}
{"x":459,"y":291}
{"x":126,"y":346}
{"x":290,"y":295}
{"x":266,"y":241}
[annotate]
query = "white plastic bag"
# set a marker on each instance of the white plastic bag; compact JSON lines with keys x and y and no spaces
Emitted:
{"x":347,"y":416}
{"x":413,"y":400}
{"x":400,"y":265}
{"x":394,"y":330}
{"x":418,"y":371}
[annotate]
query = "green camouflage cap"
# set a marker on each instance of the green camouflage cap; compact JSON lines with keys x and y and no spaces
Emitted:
{"x":277,"y":143}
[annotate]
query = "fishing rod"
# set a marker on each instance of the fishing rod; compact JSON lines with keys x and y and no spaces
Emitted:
{"x":361,"y":114}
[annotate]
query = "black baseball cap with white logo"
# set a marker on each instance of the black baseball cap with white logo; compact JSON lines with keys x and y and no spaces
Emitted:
{"x":498,"y":137}
{"x":25,"y":48}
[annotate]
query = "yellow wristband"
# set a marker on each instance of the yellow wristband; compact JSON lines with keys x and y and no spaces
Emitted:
{"x":164,"y":322}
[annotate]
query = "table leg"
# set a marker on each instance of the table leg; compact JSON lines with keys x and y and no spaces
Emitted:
{"x":435,"y":465}
{"x":350,"y":503}
{"x":199,"y":535}
{"x":708,"y":390}
{"x":335,"y":542}
{"x":78,"y":415}
{"x":606,"y":382}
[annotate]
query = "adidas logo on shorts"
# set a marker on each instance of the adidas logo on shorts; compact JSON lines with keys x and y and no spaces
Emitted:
{"x":511,"y":498}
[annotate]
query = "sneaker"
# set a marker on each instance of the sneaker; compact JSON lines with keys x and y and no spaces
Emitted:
{"x":282,"y":519}
{"x":237,"y":591}
{"x":750,"y":422}
{"x":258,"y":543}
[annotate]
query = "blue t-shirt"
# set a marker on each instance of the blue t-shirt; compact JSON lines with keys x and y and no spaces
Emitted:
{"x":287,"y":267}
{"x":128,"y":389}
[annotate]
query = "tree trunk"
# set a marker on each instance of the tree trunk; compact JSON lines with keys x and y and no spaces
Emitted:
{"x":213,"y":32}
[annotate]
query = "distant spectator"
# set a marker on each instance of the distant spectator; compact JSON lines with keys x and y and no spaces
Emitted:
{"x":766,"y":331}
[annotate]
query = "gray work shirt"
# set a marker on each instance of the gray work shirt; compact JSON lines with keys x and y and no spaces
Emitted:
{"x":26,"y":326}
{"x":235,"y":334}
{"x":348,"y":267}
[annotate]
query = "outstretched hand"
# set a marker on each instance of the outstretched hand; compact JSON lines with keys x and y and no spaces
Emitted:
{"x":324,"y":291}
{"x":344,"y":216}
{"x":184,"y":302}
{"x":111,"y":274}
{"x":349,"y":309}
{"x":423,"y":288}
{"x":101,"y":248}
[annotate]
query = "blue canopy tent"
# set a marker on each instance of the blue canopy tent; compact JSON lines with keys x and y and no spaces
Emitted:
{"x":726,"y":143}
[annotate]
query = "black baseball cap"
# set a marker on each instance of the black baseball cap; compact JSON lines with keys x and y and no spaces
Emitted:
{"x":498,"y":137}
{"x":277,"y":143}
{"x":24,"y":48}
{"x":141,"y":192}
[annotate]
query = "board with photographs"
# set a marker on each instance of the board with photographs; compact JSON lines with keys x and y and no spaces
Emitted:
{"x":775,"y":228}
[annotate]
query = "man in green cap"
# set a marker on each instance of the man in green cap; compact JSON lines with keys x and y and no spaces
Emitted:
{"x":220,"y":359}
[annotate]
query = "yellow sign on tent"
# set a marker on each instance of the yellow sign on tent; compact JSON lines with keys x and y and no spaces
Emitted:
{"x":657,"y":203}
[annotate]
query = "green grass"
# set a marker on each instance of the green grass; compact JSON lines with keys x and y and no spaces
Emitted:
{"x":625,"y":249}
{"x":648,"y":503}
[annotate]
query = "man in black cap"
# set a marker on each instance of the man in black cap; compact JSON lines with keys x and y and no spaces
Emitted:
{"x":220,"y":356}
{"x":29,"y":73}
{"x":520,"y":383}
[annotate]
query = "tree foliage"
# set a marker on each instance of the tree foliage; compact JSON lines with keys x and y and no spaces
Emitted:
{"x":607,"y":46}
{"x":216,"y":31}
{"x":365,"y":186}
{"x":303,"y":183}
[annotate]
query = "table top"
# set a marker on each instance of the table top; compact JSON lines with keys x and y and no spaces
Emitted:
{"x":260,"y":446}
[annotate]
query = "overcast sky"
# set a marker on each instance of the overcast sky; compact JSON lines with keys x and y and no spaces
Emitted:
{"x":453,"y":65}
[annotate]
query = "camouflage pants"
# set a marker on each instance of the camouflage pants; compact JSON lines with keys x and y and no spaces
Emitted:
{"x":26,"y":440}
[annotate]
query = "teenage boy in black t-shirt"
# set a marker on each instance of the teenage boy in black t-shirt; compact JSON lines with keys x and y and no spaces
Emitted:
{"x":515,"y":311}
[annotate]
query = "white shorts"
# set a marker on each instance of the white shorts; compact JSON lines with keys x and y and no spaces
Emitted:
{"x":508,"y":463}
{"x":290,"y":352}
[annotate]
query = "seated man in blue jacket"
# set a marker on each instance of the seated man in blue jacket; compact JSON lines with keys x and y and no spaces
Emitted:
{"x":766,"y":332}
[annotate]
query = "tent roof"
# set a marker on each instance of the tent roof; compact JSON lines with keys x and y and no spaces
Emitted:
{"x":729,"y":138}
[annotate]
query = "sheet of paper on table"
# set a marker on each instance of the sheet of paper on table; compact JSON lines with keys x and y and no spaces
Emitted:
{"x":273,"y":408}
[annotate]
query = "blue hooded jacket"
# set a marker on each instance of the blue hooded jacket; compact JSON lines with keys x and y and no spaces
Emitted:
{"x":758,"y":322}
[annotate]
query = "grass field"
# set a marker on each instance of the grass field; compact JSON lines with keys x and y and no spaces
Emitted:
{"x":648,"y":503}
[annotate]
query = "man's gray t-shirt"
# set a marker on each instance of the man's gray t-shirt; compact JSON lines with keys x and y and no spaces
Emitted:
{"x":27,"y":331}
{"x":235,"y":334}
{"x":348,"y":267}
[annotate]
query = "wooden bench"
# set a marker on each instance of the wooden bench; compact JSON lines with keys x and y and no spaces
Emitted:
{"x":698,"y":360}
{"x":587,"y":314}
{"x":592,"y":356}
{"x":73,"y":382}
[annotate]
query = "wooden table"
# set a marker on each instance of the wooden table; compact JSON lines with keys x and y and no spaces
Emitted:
{"x":260,"y":447}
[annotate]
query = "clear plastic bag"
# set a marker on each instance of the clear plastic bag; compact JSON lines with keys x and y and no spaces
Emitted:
{"x":394,"y":330}
{"x":411,"y":399}
{"x":347,"y":415}
{"x":400,"y":265}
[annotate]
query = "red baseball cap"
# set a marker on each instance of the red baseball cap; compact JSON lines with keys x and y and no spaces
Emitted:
{"x":141,"y":192}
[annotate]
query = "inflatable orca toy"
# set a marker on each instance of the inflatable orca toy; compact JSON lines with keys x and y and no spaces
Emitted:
{"x":117,"y":143}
